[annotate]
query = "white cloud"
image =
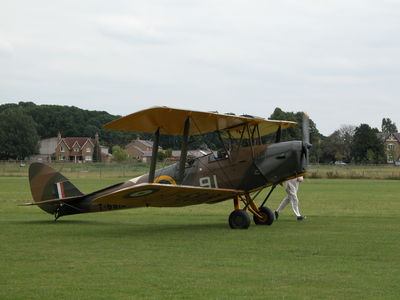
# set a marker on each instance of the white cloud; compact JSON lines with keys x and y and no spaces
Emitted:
{"x":132,"y":29}
{"x":5,"y":47}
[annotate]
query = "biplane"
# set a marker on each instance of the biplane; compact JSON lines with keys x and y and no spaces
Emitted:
{"x":245,"y":165}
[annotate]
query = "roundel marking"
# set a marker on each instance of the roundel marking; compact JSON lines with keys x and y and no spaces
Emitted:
{"x":141,"y":193}
{"x":165,"y":179}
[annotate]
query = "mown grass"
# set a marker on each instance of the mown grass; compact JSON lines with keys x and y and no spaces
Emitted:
{"x":346,"y":249}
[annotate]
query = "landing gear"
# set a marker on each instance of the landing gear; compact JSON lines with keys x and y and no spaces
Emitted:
{"x":267,"y":216}
{"x":239,"y":219}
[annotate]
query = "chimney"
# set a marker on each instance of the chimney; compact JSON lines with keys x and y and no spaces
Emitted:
{"x":59,"y":136}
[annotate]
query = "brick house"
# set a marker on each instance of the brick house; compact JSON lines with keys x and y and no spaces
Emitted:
{"x":392,"y":146}
{"x":77,"y":149}
{"x":140,"y":150}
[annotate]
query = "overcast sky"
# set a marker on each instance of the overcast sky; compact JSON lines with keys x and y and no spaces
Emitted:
{"x":337,"y":60}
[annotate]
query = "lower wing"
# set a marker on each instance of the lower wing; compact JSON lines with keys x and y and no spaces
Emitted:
{"x":165,"y":195}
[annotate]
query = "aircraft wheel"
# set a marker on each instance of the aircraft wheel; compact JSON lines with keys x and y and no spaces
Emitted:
{"x":239,"y":219}
{"x":268,"y":213}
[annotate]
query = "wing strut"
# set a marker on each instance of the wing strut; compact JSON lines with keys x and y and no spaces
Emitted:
{"x":184,"y":149}
{"x":278,"y":134}
{"x":154,"y":156}
{"x":269,"y":194}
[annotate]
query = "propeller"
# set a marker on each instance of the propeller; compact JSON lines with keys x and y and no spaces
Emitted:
{"x":306,"y":128}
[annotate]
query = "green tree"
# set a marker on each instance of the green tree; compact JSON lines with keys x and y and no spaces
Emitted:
{"x":161,"y":156}
{"x":338,"y":145}
{"x":168,"y":152}
{"x":18,"y":135}
{"x":331,"y":147}
{"x":96,"y":157}
{"x":367,"y":147}
{"x":388,"y":126}
{"x":347,"y":138}
{"x":119,"y":154}
{"x":72,"y":122}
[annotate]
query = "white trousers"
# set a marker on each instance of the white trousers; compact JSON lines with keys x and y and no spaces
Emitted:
{"x":293,"y":200}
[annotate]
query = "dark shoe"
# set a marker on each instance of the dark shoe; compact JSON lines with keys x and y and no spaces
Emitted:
{"x":276,"y":215}
{"x":301,"y":218}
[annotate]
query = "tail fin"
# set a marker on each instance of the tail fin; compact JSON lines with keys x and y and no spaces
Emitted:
{"x":47,"y":184}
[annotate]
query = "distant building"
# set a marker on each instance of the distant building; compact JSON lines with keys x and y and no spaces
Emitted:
{"x":140,"y":150}
{"x":392,"y":146}
{"x":76,"y":149}
{"x":105,"y":155}
{"x":46,"y":150}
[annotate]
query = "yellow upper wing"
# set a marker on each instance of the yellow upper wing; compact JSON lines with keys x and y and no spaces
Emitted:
{"x":165,"y":195}
{"x":171,"y":122}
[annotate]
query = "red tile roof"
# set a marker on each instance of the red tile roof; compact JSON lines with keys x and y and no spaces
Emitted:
{"x":70,"y":141}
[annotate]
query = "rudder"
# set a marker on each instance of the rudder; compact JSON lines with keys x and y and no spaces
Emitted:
{"x":47,"y":184}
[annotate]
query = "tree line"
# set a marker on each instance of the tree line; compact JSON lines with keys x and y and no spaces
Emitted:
{"x":23,"y":124}
{"x":350,"y":144}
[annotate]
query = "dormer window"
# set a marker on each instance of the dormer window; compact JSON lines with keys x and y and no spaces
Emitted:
{"x":62,"y":149}
{"x":88,"y":150}
{"x":76,"y":149}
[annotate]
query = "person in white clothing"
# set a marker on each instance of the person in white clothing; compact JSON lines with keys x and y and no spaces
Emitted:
{"x":291,"y":187}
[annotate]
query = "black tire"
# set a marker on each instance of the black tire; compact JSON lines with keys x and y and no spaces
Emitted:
{"x":268,"y":213}
{"x":239,"y":219}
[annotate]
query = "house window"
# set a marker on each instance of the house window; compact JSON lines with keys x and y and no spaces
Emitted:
{"x":76,"y":149}
{"x":88,"y":150}
{"x":88,"y":158}
{"x":390,"y":147}
{"x":62,"y":149}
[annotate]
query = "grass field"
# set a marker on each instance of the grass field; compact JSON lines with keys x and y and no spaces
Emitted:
{"x":348,"y":248}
